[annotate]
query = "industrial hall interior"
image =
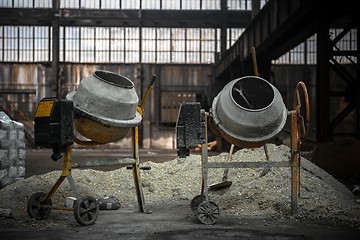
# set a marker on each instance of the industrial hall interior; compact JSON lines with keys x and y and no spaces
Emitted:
{"x":176,"y":119}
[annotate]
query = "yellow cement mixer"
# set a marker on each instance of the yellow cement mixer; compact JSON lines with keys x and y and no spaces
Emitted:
{"x":103,"y":110}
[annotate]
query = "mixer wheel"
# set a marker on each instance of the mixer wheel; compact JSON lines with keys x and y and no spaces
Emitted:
{"x":195,"y":203}
{"x":86,"y":210}
{"x":34,"y":208}
{"x":208,"y":212}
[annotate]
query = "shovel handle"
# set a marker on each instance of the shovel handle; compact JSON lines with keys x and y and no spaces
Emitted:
{"x":226,"y":170}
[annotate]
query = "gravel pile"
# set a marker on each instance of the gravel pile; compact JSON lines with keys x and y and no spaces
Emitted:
{"x":178,"y":181}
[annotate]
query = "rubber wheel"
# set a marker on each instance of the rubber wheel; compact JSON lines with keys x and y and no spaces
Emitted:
{"x":34,"y":208}
{"x":208,"y":212}
{"x":195,"y":203}
{"x":86,"y":210}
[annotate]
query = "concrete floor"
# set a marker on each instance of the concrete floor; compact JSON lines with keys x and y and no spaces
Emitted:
{"x":168,"y":221}
{"x":176,"y":222}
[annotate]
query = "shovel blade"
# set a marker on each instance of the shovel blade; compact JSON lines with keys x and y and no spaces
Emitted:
{"x":219,"y":186}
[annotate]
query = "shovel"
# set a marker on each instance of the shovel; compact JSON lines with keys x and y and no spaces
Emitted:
{"x":225,"y":183}
{"x":266,"y":168}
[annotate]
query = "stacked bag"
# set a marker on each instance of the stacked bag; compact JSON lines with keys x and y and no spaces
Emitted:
{"x":12,"y":150}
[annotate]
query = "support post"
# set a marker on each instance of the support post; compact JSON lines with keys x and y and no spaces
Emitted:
{"x":136,"y":168}
{"x":295,"y":162}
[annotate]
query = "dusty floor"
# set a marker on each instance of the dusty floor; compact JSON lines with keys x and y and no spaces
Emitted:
{"x":176,"y":222}
{"x":173,"y":220}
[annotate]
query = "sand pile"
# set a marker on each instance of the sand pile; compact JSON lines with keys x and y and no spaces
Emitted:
{"x":178,"y":181}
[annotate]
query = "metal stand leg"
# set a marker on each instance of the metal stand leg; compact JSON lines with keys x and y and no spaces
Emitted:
{"x":295,"y":163}
{"x":65,"y":172}
{"x":135,"y":170}
{"x":204,"y":166}
{"x":86,"y":209}
{"x":207,"y":211}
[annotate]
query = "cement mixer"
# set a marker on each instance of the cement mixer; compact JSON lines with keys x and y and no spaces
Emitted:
{"x":247,"y":112}
{"x":102,"y":110}
{"x":95,"y":100}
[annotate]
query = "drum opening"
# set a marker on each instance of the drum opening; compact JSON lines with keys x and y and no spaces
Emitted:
{"x":114,"y":79}
{"x":252,"y":93}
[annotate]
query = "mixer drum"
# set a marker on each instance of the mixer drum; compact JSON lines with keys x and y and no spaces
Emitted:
{"x":248,"y":112}
{"x":105,"y":106}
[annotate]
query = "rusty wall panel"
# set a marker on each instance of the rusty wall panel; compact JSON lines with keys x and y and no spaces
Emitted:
{"x":18,"y":85}
{"x":185,"y":75}
{"x":39,"y":76}
{"x":19,"y":75}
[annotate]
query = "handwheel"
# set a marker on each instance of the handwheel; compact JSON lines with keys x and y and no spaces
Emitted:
{"x":208,"y":212}
{"x":34,"y":208}
{"x":195,"y":203}
{"x":299,"y":134}
{"x":302,"y":125}
{"x":86,"y":210}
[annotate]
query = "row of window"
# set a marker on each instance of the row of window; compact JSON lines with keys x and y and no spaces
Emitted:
{"x":113,"y":44}
{"x":132,"y":4}
{"x":134,"y":45}
{"x":305,"y":53}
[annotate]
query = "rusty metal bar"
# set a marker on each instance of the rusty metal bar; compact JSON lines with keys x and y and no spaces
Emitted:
{"x":248,"y":164}
{"x":295,"y":171}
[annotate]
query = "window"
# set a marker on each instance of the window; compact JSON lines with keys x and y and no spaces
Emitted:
{"x":149,"y":45}
{"x":347,"y":43}
{"x":72,"y":44}
{"x":193,"y":46}
{"x":117,"y":45}
{"x":132,"y":41}
{"x":10,"y":47}
{"x":233,"y":35}
{"x":164,"y":45}
{"x":24,"y":43}
{"x":208,"y":45}
{"x":102,"y":45}
{"x":178,"y":45}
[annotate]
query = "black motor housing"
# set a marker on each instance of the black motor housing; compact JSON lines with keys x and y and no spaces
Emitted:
{"x":190,"y":129}
{"x":54,"y":124}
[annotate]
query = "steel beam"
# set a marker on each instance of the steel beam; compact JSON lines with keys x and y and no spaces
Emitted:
{"x":124,"y":17}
